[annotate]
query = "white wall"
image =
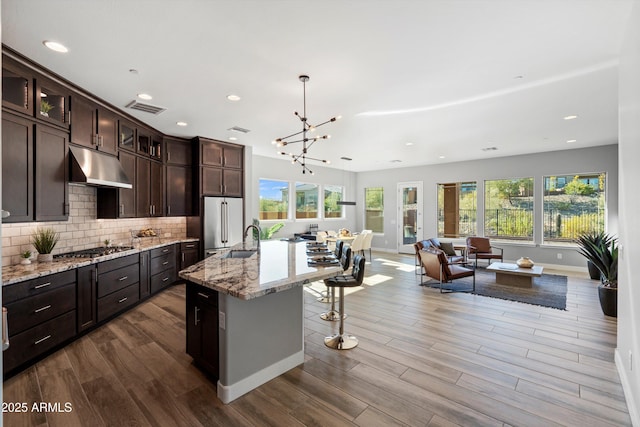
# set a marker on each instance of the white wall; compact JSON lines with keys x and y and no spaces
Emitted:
{"x":629,"y":154}
{"x":280,"y":169}
{"x":595,"y":159}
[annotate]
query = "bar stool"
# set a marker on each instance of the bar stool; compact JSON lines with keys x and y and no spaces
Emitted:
{"x":332,"y":315}
{"x":342,"y":341}
{"x":337,"y":252}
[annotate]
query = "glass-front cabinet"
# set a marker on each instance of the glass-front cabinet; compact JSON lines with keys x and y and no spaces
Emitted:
{"x":17,"y":87}
{"x":52,"y":101}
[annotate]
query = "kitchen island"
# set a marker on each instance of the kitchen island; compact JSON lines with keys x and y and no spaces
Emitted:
{"x":258,"y":299}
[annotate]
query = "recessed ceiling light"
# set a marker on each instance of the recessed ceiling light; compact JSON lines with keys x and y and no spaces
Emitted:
{"x":233,"y":138}
{"x":519,"y":77}
{"x":396,"y":161}
{"x":570,"y":117}
{"x":569,"y":141}
{"x":409,"y":144}
{"x":55,"y":46}
{"x":233,"y":97}
{"x":181,"y":123}
{"x":441,"y":157}
{"x":145,"y":96}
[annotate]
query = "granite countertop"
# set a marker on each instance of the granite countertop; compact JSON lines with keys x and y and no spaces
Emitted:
{"x":278,"y":266}
{"x":19,"y":273}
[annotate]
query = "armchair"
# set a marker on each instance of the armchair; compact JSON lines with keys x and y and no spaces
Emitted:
{"x":436,"y":266}
{"x":480,"y":248}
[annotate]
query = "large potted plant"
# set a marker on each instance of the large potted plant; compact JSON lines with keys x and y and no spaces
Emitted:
{"x":599,"y":239}
{"x":44,"y":240}
{"x":602,"y":251}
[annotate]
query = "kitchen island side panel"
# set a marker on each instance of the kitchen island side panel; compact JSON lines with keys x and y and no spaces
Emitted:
{"x":258,"y":335}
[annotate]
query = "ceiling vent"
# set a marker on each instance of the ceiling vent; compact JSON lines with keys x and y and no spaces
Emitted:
{"x":147,"y":108}
{"x":239,"y":129}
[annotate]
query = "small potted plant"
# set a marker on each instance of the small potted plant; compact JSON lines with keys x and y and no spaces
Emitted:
{"x":45,"y":107}
{"x":44,"y":240}
{"x":107,"y":243}
{"x":603,"y":253}
{"x":26,"y":257}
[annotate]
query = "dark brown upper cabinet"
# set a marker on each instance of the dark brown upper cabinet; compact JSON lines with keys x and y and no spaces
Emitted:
{"x":179,"y":190}
{"x":93,"y":126}
{"x":119,"y":202}
{"x":52,"y":102}
{"x":17,"y":168}
{"x":127,"y":135}
{"x":149,"y":188}
{"x":178,"y":152}
{"x":17,"y":86}
{"x":214,"y":153}
{"x":51,"y":167}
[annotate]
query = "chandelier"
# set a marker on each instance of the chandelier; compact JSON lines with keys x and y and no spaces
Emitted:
{"x":307,"y":142}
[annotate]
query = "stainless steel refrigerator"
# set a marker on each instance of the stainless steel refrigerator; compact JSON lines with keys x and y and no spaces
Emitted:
{"x":223,"y":219}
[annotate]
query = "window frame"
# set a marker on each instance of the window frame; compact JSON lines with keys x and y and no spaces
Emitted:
{"x":459,"y":235}
{"x":364,"y":213}
{"x":324,"y":207}
{"x":529,"y":239}
{"x":319,"y":202}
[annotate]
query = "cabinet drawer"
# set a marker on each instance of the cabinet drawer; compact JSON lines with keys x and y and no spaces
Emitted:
{"x":32,"y":311}
{"x":118,"y":279}
{"x":118,"y":301}
{"x":162,"y":263}
{"x":162,"y":251}
{"x":113,"y":264}
{"x":37,"y":340}
{"x":37,"y":286}
{"x":185,"y":246}
{"x":162,"y":280}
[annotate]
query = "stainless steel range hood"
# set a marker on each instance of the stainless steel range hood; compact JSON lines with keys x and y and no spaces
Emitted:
{"x":94,"y":168}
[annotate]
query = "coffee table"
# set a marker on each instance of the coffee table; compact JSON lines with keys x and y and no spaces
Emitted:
{"x":511,"y":274}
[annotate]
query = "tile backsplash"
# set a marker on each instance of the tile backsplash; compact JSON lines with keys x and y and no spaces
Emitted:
{"x":82,"y":230}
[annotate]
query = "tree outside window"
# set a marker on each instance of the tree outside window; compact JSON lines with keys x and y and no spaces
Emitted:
{"x":573,"y":205}
{"x":457,"y":209}
{"x":274,"y":199}
{"x":332,"y":195}
{"x":374,"y":209}
{"x":509,"y":209}
{"x":306,"y":200}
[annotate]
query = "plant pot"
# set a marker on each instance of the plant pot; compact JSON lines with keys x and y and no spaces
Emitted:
{"x":608,"y":300}
{"x":45,"y":257}
{"x":594,"y":273}
{"x":25,"y":261}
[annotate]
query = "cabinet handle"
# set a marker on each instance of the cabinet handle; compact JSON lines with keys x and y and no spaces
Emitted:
{"x":165,"y":263}
{"x":165,"y":251}
{"x":44,"y":285}
{"x":200,"y":294}
{"x":195,"y":312}
{"x":182,"y":256}
{"x":123,"y":278}
{"x":46,"y":307}
{"x":101,"y":141}
{"x":225,"y":189}
{"x":221,"y":188}
{"x":165,"y":279}
{"x":150,"y":211}
{"x":221,"y":161}
{"x":168,"y":156}
{"x":122,"y":300}
{"x":42,"y":339}
{"x":190,"y":246}
{"x":122,"y":209}
{"x":168,"y":209}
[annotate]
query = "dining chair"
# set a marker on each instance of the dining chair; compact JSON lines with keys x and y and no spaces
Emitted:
{"x":367,"y":241}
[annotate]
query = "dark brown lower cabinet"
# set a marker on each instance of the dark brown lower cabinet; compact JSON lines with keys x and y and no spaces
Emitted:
{"x":145,"y":285}
{"x":202,"y":327}
{"x":189,"y":254}
{"x":86,"y":297}
{"x":118,"y":285}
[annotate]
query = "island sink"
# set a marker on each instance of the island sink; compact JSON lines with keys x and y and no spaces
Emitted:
{"x":239,"y":254}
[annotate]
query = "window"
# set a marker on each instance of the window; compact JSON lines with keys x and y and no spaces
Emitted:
{"x":332,"y":195}
{"x":306,"y":200}
{"x":573,"y":205}
{"x":457,"y":209}
{"x":274,"y":199}
{"x":374,"y":209}
{"x":509,"y":208}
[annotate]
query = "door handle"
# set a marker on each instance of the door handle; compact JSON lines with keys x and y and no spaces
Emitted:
{"x":195,"y":312}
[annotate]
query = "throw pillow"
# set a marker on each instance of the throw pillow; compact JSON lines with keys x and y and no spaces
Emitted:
{"x":447,"y":248}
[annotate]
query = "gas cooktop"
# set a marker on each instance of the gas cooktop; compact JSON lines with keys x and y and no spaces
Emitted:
{"x":94,"y":252}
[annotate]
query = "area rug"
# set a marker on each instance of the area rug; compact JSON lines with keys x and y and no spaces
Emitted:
{"x":548,"y":290}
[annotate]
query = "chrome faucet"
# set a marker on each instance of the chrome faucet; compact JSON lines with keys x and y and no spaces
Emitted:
{"x":246,"y":232}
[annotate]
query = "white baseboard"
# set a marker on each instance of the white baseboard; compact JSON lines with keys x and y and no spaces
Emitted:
{"x":229,"y":393}
{"x":634,"y":412}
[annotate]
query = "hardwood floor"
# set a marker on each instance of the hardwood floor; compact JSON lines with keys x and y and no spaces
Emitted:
{"x":424,"y":359}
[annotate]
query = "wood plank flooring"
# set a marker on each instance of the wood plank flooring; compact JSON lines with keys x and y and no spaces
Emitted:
{"x":424,"y":359}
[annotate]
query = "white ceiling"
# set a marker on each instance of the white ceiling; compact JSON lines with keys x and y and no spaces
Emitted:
{"x":451,"y":77}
